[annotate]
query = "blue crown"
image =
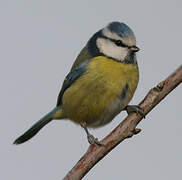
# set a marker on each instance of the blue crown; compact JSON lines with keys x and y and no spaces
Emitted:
{"x":120,"y":29}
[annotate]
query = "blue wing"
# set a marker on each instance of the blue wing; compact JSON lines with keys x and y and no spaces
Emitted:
{"x":70,"y":78}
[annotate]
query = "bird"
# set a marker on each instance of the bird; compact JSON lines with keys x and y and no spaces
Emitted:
{"x":100,"y":84}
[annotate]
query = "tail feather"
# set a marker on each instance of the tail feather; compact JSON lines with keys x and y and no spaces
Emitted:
{"x":36,"y":127}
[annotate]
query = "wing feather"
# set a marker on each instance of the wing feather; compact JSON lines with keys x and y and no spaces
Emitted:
{"x":71,"y":78}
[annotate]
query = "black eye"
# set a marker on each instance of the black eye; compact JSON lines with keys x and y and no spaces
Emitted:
{"x":120,"y":43}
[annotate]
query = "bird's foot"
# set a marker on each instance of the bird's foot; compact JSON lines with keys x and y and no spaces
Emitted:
{"x":134,"y":108}
{"x":91,"y":139}
{"x":136,"y":131}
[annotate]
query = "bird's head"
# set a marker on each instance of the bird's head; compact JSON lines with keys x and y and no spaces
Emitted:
{"x":116,"y":41}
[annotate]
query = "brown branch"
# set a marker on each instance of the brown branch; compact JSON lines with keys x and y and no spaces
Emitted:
{"x":126,"y":128}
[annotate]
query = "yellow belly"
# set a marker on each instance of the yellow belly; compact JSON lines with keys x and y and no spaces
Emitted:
{"x":96,"y":97}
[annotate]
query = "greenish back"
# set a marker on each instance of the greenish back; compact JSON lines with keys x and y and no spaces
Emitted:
{"x":82,"y":57}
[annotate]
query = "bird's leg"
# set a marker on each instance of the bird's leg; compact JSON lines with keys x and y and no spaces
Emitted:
{"x":134,"y":108}
{"x":91,"y":139}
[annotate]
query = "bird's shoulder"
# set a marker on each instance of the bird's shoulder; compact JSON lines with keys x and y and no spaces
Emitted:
{"x":73,"y":75}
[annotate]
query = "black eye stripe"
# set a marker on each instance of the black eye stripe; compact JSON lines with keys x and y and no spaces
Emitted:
{"x":119,"y":43}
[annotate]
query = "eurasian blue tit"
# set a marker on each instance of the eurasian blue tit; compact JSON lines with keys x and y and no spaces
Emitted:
{"x":100,"y":84}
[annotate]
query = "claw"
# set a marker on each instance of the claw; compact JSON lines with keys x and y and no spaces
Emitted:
{"x":91,"y":139}
{"x":134,"y":108}
{"x":136,"y":131}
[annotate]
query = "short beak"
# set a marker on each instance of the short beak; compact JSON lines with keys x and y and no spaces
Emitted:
{"x":135,"y":48}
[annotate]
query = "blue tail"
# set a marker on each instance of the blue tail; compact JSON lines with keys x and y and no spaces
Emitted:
{"x":36,"y":127}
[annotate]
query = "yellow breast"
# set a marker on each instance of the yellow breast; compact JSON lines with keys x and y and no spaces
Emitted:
{"x":98,"y":95}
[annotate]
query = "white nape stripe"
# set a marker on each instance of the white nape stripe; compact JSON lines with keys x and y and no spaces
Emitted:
{"x":107,"y":33}
{"x":130,"y":40}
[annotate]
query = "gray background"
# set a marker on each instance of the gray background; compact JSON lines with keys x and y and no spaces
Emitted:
{"x":39,"y":41}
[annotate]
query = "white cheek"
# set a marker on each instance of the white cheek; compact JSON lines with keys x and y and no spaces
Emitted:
{"x":108,"y":48}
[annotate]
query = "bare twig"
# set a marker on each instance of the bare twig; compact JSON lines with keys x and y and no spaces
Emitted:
{"x":126,"y":129}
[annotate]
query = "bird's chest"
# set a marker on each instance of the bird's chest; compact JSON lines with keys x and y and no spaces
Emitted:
{"x":101,"y":93}
{"x":113,"y":78}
